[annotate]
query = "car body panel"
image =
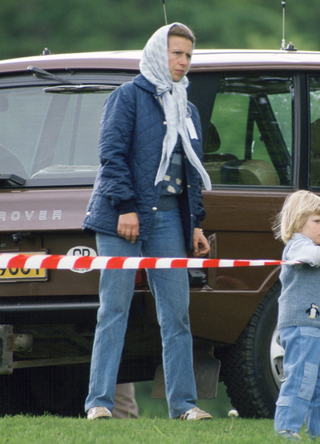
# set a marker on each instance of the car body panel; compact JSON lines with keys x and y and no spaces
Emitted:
{"x":201,"y":60}
{"x":40,"y":210}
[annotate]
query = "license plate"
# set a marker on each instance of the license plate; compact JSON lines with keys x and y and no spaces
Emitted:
{"x":23,"y":274}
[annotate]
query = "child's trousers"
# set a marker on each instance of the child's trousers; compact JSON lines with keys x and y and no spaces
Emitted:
{"x":299,"y":397}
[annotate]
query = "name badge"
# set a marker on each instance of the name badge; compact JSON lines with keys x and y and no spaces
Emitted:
{"x":191,"y":129}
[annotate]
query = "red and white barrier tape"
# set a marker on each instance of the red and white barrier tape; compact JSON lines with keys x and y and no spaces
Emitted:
{"x":59,"y":262}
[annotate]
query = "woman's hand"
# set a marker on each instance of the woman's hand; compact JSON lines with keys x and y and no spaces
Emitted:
{"x":200,"y":243}
{"x":128,"y":226}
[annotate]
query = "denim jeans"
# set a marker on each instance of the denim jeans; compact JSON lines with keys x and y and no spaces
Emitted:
{"x":299,"y":397}
{"x":170,"y":287}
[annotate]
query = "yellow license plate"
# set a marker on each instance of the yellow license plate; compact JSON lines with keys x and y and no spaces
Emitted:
{"x":23,"y":274}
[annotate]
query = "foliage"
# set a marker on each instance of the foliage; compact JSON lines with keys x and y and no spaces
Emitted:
{"x":157,"y":408}
{"x":27,"y":26}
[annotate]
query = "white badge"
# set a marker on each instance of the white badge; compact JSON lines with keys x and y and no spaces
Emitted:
{"x":191,"y":129}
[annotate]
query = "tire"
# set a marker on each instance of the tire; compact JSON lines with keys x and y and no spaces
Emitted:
{"x":252,"y":367}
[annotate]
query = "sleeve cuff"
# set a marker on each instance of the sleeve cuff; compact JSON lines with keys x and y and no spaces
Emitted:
{"x":127,"y":206}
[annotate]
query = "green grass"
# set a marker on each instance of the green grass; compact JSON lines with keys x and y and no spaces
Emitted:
{"x":55,"y":430}
{"x":153,"y":427}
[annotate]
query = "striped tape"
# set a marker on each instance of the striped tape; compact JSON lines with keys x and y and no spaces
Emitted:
{"x":60,"y":262}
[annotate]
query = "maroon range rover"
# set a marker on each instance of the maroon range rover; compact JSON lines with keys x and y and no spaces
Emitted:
{"x":260,"y":114}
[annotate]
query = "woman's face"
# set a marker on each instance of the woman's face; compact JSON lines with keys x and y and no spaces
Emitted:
{"x":179,"y":52}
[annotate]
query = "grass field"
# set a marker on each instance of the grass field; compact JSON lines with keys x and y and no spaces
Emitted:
{"x":153,"y":427}
{"x":55,"y":430}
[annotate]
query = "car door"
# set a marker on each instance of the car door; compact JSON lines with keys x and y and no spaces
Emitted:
{"x":249,"y":155}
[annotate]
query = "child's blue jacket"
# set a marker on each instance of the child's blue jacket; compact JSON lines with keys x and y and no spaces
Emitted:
{"x":299,"y":301}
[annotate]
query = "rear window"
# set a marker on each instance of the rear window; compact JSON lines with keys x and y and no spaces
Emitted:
{"x":49,"y":133}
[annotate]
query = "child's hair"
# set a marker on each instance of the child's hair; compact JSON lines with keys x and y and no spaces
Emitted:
{"x":294,"y":214}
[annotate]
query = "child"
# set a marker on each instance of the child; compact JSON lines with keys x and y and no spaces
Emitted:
{"x":298,"y":225}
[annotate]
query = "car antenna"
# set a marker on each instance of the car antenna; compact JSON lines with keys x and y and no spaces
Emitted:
{"x":283,"y":43}
{"x":165,"y":11}
{"x":290,"y":47}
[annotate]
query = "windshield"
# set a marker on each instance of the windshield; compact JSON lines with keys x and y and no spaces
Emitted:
{"x":49,"y":134}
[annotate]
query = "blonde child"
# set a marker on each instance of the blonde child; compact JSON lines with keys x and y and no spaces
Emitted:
{"x":298,"y":225}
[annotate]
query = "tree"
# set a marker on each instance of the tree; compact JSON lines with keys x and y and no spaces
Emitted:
{"x":27,"y":26}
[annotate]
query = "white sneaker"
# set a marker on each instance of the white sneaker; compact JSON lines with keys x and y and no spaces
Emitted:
{"x":194,"y":414}
{"x":99,"y":413}
{"x":289,"y":435}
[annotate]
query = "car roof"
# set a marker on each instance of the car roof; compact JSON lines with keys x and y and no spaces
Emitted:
{"x":202,"y":60}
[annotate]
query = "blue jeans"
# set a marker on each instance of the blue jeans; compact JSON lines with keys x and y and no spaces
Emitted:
{"x":170,"y":288}
{"x":299,"y":397}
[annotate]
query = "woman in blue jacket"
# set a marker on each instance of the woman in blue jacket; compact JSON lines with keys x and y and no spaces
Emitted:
{"x":147,"y":201}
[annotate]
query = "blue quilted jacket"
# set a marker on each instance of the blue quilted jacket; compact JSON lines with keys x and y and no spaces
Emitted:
{"x":131,"y":134}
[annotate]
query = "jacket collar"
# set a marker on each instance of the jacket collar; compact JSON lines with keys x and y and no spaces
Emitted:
{"x":143,"y":83}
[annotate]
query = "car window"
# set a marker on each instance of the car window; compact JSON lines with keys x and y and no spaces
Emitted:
{"x":314,"y":83}
{"x":249,"y":140}
{"x":49,"y":134}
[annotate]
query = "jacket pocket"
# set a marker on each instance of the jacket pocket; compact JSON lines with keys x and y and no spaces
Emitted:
{"x":284,"y":401}
{"x":309,"y":381}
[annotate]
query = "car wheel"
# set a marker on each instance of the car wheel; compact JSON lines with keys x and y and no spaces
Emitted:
{"x":276,"y":358}
{"x":252,"y":367}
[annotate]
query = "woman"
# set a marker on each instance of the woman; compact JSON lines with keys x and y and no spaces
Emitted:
{"x":147,"y":200}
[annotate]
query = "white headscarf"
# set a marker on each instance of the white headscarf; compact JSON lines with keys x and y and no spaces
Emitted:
{"x":154,"y":65}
